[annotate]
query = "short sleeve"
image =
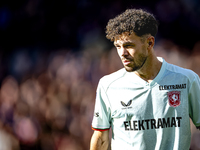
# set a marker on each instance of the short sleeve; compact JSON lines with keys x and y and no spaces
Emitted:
{"x":101,"y":119}
{"x":194,"y":101}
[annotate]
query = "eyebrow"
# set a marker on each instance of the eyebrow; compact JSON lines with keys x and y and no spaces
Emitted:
{"x":125,"y":43}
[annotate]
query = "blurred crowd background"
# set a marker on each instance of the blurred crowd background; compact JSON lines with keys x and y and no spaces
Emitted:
{"x":53,"y":53}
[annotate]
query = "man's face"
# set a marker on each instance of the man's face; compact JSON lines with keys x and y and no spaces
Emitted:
{"x":132,"y":51}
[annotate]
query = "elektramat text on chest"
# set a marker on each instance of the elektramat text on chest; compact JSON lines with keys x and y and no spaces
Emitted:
{"x":170,"y":87}
{"x":152,"y":123}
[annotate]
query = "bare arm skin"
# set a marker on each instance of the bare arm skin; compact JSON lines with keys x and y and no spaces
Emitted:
{"x":100,"y":140}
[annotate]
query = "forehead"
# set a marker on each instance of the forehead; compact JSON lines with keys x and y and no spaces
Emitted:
{"x":125,"y":37}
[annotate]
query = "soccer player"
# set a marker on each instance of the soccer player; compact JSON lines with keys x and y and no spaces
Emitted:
{"x":147,"y":104}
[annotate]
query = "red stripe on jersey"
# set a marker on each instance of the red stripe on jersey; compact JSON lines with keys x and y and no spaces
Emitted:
{"x":100,"y":129}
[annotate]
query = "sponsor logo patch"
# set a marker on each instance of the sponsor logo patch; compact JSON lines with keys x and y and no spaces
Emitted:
{"x":174,"y":98}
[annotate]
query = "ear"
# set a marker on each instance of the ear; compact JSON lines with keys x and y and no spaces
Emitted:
{"x":150,"y":42}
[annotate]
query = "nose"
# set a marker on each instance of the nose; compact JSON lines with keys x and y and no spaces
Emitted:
{"x":124,"y":51}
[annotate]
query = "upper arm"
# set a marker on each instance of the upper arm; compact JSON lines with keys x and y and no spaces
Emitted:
{"x":194,"y":101}
{"x":100,"y":140}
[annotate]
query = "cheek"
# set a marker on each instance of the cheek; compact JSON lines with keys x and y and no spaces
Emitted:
{"x":142,"y":52}
{"x":119,"y":52}
{"x":132,"y":52}
{"x":145,"y":49}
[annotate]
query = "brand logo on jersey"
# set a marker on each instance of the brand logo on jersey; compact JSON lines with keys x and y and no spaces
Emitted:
{"x":126,"y":105}
{"x":174,"y":98}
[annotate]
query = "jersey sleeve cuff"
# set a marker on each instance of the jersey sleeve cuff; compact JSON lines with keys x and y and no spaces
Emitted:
{"x":97,"y":129}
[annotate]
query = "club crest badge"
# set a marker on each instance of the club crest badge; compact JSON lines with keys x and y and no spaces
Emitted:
{"x":174,"y":98}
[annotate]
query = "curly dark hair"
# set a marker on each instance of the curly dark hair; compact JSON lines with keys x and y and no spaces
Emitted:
{"x":132,"y":20}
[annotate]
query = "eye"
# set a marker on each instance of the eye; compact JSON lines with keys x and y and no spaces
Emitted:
{"x":117,"y":46}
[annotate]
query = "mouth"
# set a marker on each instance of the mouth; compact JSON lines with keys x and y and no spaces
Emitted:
{"x":126,"y":62}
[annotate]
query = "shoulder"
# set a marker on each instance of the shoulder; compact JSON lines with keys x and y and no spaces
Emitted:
{"x":106,"y":80}
{"x":191,"y":75}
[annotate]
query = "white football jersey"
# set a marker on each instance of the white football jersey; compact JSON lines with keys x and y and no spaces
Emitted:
{"x":148,"y":116}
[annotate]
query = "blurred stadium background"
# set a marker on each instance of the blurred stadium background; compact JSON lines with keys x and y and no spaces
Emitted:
{"x":52,"y":54}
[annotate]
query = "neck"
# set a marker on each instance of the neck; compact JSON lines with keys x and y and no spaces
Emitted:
{"x":150,"y":69}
